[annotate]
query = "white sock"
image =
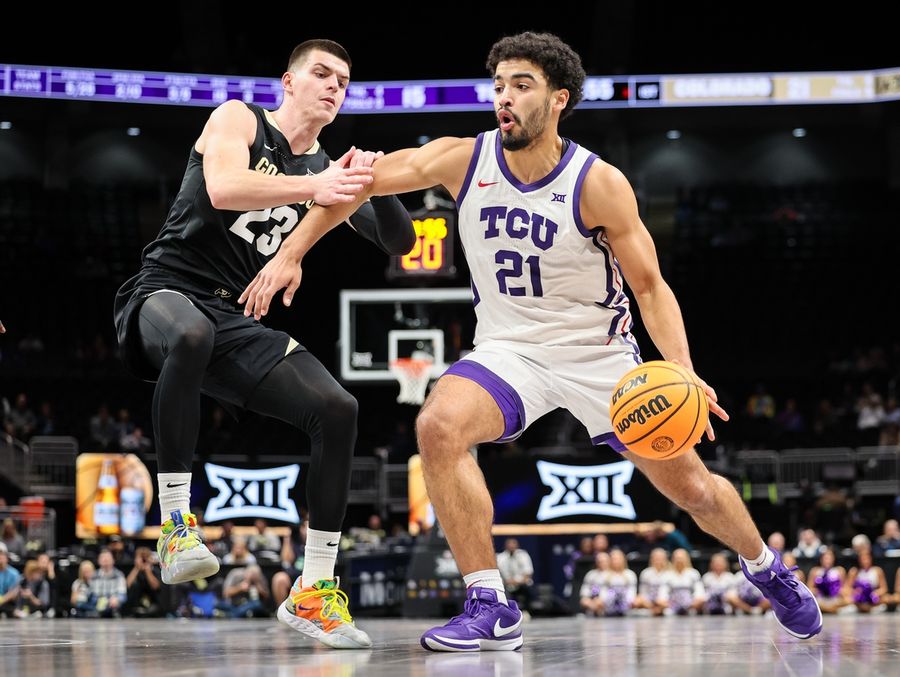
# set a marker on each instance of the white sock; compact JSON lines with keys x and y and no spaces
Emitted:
{"x":319,"y":556}
{"x":763,"y":561}
{"x":487,"y":578}
{"x":174,"y":493}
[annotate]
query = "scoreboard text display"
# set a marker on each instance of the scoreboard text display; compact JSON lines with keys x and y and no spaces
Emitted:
{"x":419,"y":96}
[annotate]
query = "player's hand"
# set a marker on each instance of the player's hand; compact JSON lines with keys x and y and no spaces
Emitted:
{"x":277,"y":274}
{"x":364,"y":158}
{"x":712,"y":400}
{"x":342,"y":181}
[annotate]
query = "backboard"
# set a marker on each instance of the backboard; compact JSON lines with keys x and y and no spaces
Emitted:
{"x":381,"y":325}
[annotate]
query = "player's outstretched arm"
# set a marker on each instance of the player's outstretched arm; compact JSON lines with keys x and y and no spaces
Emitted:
{"x":225,"y":146}
{"x":443,"y":161}
{"x":383,"y":220}
{"x":608,"y":200}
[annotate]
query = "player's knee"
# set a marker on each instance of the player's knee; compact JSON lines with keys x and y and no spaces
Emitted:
{"x":194,"y":341}
{"x":338,"y":406}
{"x":345,"y":405}
{"x":434,"y":432}
{"x":696,"y":494}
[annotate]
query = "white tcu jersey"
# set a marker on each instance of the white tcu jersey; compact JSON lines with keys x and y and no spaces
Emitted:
{"x":539,"y":275}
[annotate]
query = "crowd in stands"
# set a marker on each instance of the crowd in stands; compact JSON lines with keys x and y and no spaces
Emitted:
{"x":855,"y":404}
{"x":122,"y":578}
{"x":650,"y":573}
{"x":670,"y":585}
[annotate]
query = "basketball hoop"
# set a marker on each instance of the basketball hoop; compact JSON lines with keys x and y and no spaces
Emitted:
{"x":413,"y":374}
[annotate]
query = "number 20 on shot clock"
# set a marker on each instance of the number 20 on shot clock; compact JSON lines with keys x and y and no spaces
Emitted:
{"x":432,"y":254}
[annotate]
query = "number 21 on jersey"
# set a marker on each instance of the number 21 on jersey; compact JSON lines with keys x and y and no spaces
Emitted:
{"x":512,"y":269}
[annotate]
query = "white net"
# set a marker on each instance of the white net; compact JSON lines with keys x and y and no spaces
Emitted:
{"x":413,"y":375}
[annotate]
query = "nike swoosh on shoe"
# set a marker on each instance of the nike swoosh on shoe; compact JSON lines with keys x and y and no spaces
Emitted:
{"x":500,"y":631}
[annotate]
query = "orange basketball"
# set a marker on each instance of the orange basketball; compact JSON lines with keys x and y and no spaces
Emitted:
{"x":658,"y":410}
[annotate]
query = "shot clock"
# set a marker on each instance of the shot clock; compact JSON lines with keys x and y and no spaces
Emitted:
{"x":432,"y":254}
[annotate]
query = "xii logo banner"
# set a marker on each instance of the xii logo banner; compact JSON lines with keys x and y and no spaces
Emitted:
{"x":586,"y":490}
{"x":247,"y":492}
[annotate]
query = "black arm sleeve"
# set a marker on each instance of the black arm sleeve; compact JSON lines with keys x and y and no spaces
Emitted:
{"x":385,"y":221}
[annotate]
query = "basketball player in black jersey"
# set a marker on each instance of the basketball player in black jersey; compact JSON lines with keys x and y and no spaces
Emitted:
{"x":251,"y":177}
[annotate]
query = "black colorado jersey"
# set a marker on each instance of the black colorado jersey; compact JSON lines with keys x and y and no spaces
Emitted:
{"x":218,"y":247}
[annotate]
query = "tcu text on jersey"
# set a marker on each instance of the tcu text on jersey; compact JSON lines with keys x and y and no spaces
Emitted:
{"x":518,"y":223}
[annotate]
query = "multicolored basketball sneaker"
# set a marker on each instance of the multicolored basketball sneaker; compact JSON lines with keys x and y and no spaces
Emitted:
{"x":486,"y":624}
{"x":320,"y":611}
{"x":182,"y":555}
{"x":793,"y":605}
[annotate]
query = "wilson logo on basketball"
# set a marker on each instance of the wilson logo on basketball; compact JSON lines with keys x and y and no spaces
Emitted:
{"x":636,"y":381}
{"x":653,"y":407}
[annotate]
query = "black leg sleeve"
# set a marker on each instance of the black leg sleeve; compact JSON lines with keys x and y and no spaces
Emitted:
{"x":301,"y":392}
{"x":385,"y":221}
{"x":178,"y":339}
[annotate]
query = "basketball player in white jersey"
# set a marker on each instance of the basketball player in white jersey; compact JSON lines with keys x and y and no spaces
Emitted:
{"x":551,"y":234}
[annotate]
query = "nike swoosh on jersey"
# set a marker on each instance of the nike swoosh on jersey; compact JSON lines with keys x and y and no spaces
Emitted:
{"x":482,"y":184}
{"x":500,"y":631}
{"x":271,"y":147}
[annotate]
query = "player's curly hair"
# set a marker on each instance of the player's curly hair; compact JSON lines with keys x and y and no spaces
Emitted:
{"x":327,"y":46}
{"x":560,"y":63}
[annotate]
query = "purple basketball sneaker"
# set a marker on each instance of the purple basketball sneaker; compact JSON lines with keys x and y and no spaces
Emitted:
{"x":793,"y":604}
{"x":486,"y":624}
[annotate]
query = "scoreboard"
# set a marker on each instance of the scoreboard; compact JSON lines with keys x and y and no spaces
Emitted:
{"x":621,"y":91}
